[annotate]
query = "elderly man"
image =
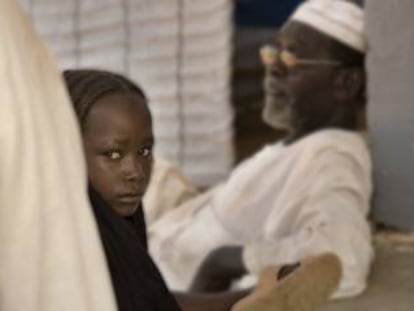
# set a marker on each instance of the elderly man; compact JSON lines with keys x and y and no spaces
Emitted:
{"x":306,"y":195}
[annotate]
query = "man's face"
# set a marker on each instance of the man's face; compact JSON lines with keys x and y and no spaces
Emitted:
{"x":301,"y":96}
{"x":118,"y":142}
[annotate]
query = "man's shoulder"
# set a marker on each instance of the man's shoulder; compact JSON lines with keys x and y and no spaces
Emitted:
{"x":335,"y":139}
{"x":338,"y":145}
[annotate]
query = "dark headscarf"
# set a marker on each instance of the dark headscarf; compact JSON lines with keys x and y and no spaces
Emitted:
{"x":137,"y":283}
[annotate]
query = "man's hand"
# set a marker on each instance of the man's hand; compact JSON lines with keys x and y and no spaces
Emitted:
{"x":219,"y":269}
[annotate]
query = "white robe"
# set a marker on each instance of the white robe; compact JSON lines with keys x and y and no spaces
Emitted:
{"x":50,"y":253}
{"x":168,"y":189}
{"x":283,"y":204}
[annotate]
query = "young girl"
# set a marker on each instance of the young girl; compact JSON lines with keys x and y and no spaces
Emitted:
{"x":117,"y":137}
{"x":118,"y":140}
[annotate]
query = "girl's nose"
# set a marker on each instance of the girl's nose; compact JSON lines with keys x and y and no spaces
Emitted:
{"x":133,"y":169}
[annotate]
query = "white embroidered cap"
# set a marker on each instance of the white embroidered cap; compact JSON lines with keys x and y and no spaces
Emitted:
{"x":339,"y":19}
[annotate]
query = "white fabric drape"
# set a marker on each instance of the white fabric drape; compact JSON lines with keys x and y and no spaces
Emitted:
{"x":177,"y":50}
{"x":168,"y":189}
{"x":50,"y":252}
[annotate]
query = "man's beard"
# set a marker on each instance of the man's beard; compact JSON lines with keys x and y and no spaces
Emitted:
{"x":277,"y":111}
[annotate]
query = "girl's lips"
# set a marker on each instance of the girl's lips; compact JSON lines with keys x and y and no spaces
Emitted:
{"x":129,"y":198}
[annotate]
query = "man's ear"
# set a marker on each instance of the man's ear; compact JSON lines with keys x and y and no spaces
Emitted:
{"x":349,"y":84}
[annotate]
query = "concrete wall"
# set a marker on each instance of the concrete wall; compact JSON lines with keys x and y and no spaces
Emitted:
{"x":390,"y":29}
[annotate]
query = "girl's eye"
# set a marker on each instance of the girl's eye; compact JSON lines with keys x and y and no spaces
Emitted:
{"x":113,"y":155}
{"x":145,"y":152}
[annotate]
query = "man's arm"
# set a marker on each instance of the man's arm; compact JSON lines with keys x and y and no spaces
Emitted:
{"x":209,"y":302}
{"x":219,"y":269}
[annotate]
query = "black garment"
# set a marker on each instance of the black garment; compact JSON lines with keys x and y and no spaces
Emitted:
{"x":137,"y":283}
{"x":137,"y":221}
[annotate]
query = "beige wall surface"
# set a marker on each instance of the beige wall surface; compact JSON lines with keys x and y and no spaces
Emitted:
{"x":390,"y":28}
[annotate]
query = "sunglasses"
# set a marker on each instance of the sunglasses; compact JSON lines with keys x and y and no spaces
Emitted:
{"x":270,"y":54}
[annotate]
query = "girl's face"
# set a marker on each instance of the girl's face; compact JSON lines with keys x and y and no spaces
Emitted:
{"x":118,"y":142}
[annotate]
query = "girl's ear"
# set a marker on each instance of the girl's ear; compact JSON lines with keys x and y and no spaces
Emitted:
{"x":349,"y":84}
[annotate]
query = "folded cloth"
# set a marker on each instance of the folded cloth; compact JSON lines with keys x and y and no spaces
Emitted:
{"x":50,"y":253}
{"x":306,"y":288}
